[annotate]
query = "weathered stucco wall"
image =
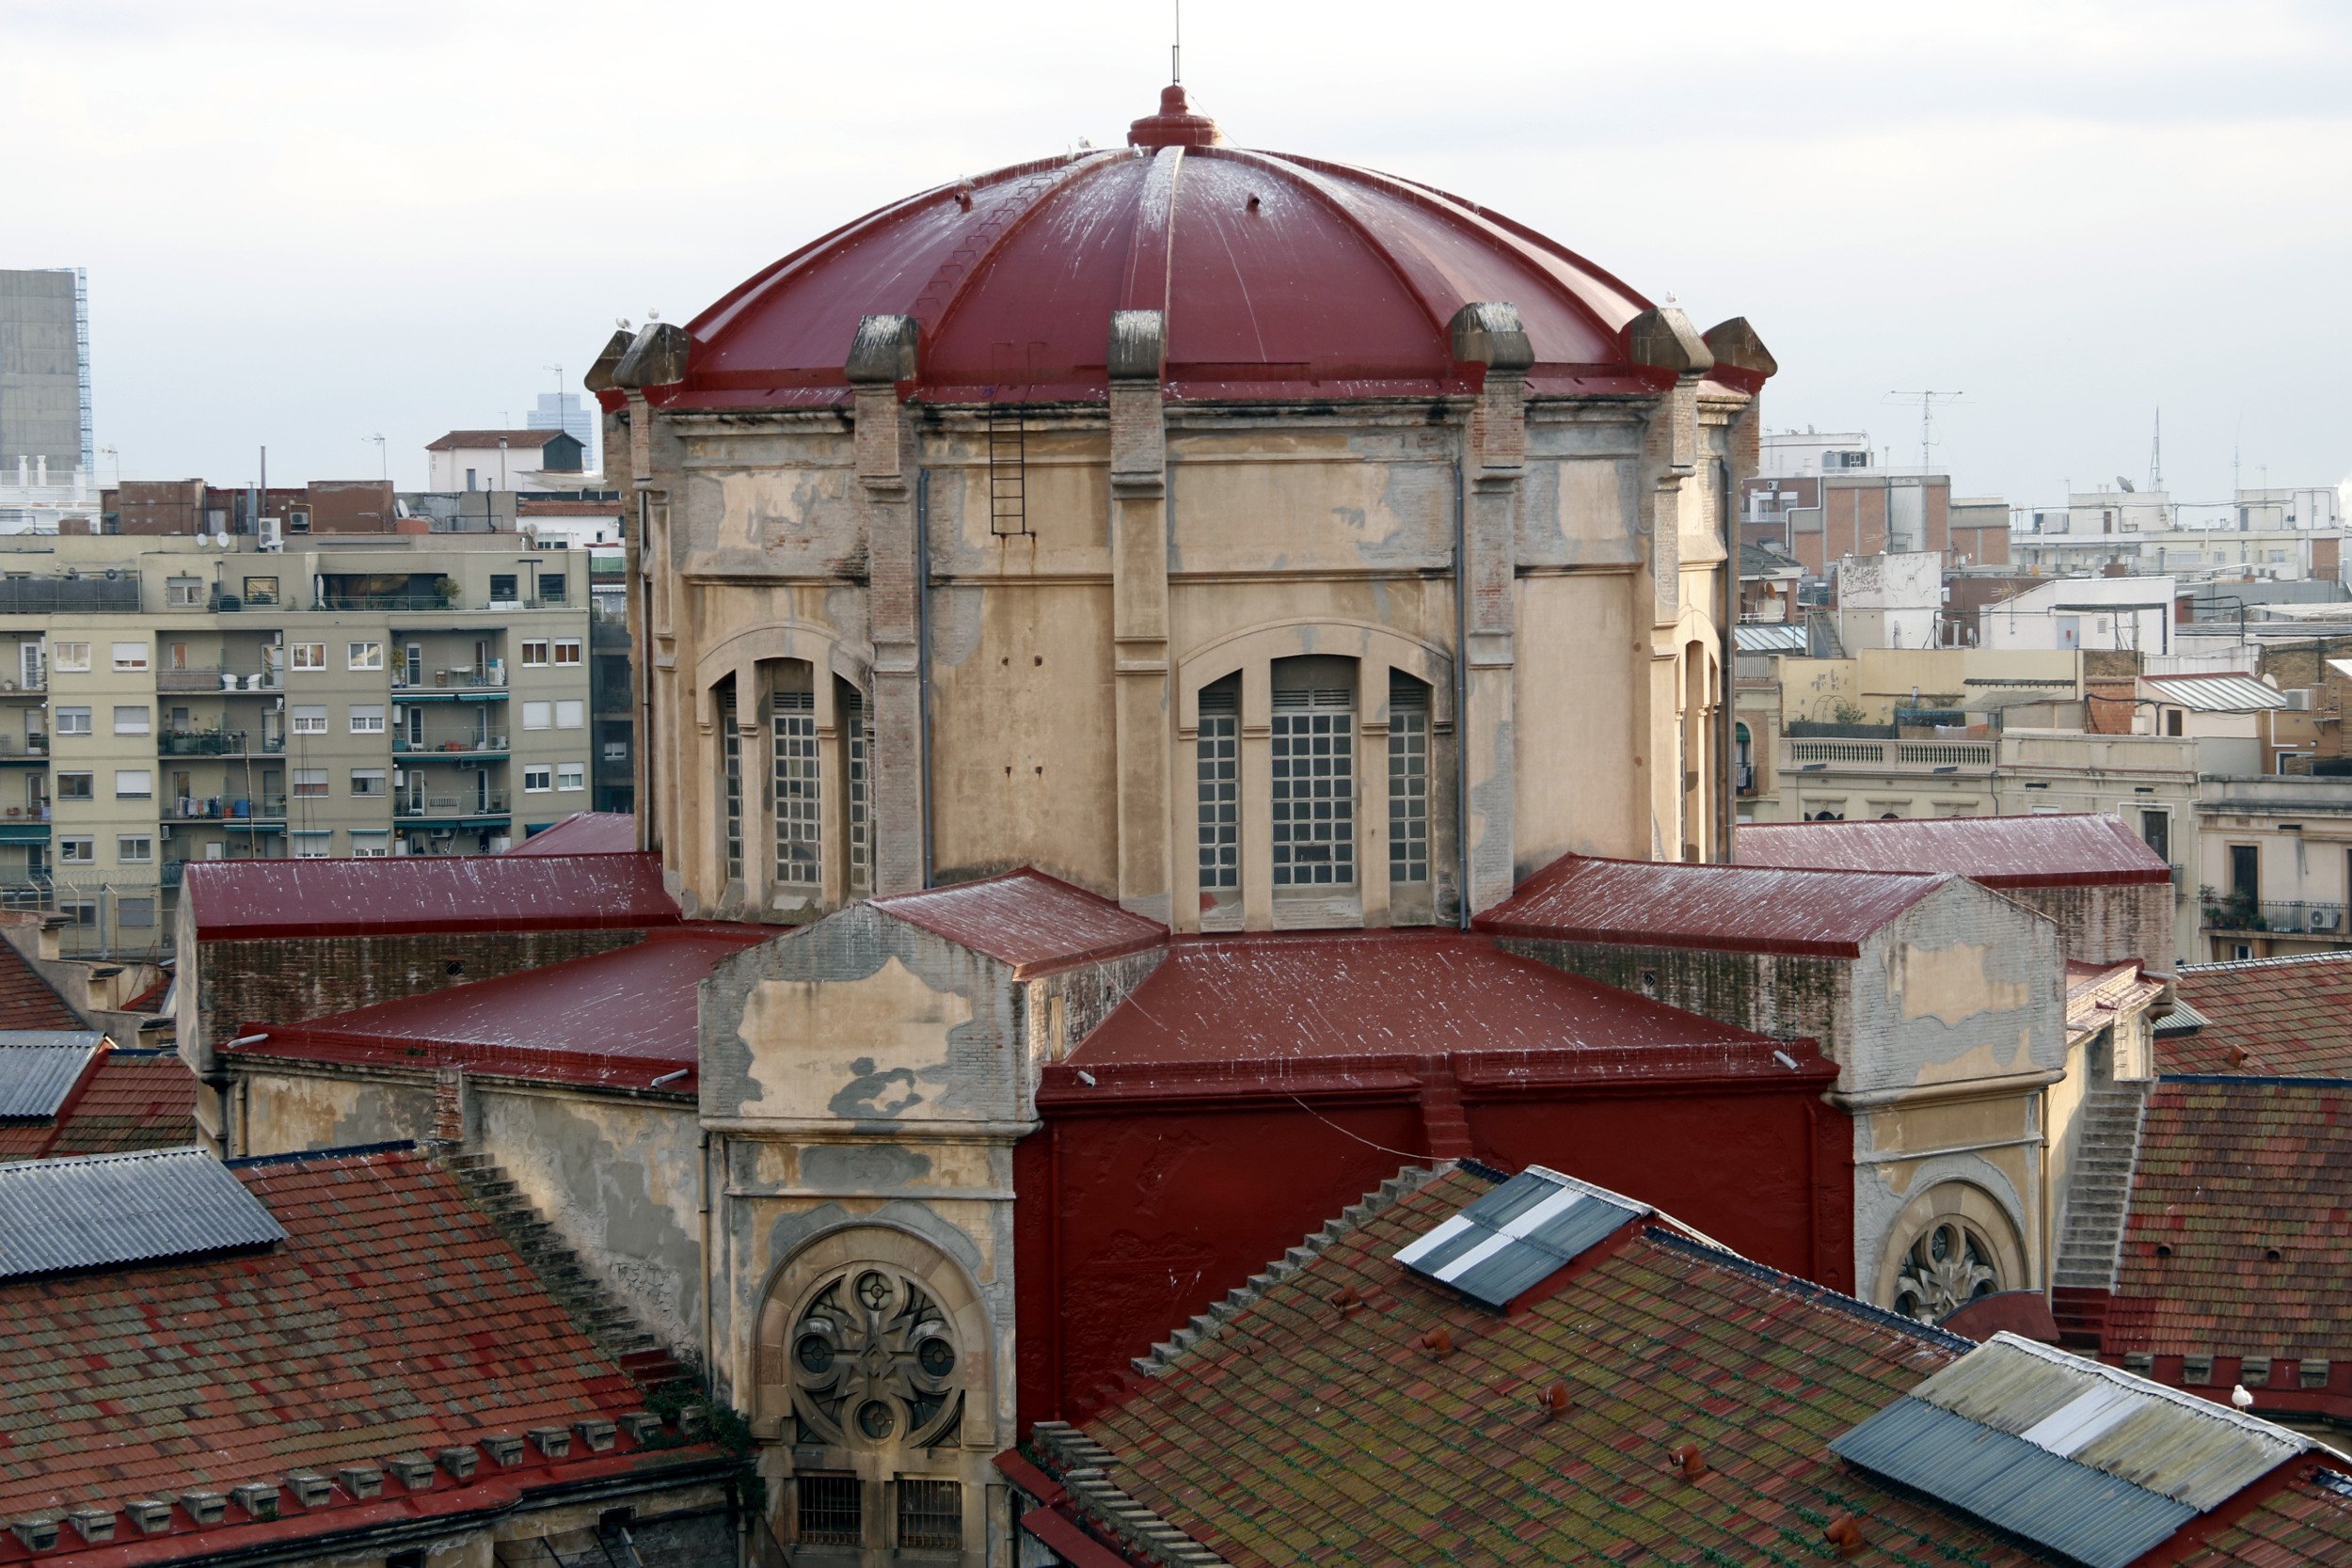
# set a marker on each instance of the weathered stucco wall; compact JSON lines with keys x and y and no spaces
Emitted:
{"x":286,"y":1107}
{"x":2110,"y":924}
{"x":1786,"y":996}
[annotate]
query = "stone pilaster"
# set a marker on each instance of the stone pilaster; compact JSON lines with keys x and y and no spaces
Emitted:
{"x":1139,"y":607}
{"x":883,"y":357}
{"x":1494,"y":457}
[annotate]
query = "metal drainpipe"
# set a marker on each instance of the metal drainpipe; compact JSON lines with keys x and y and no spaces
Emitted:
{"x":1461,"y":700}
{"x":922,"y":652}
{"x":1726,"y":720}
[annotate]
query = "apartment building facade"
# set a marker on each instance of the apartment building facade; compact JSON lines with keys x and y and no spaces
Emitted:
{"x":168,"y":699}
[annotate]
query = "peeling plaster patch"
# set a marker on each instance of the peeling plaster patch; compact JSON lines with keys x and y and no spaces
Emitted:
{"x":866,"y":1049}
{"x":955,"y":623}
{"x":862,"y":1168}
{"x":1983,"y":1061}
{"x":1952,"y":983}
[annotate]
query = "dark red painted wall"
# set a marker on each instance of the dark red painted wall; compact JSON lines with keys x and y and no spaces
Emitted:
{"x":1132,"y":1215}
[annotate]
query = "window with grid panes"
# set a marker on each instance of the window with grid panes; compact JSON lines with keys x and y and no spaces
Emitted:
{"x":859,"y":726}
{"x":1313,"y":794}
{"x":931,"y":1515}
{"x":1408,"y":779}
{"x":831,"y":1510}
{"x":800,"y":828}
{"x":1216,"y":751}
{"x":731,"y":752}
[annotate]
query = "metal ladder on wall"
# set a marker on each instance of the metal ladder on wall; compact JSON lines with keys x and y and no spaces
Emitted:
{"x":1008,"y":470}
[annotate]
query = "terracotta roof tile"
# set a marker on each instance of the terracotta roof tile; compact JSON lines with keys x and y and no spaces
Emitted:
{"x":2228,"y":1174}
{"x":125,"y":1100}
{"x":1300,"y":1433}
{"x":2289,"y":1017}
{"x":392,"y":1320}
{"x":26,"y":1000}
{"x":2307,"y":1522}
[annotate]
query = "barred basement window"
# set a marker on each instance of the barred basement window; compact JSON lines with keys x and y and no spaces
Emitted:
{"x":832,"y":1510}
{"x":1408,"y":779}
{"x":931,"y":1515}
{"x":731,"y":746}
{"x":858,"y":725}
{"x":1218,"y":757}
{"x":800,"y":825}
{"x":1314,"y":779}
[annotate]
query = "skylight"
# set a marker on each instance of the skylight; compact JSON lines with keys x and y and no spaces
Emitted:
{"x":1513,"y":1239}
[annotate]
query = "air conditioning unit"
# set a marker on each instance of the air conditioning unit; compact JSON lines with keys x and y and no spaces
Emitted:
{"x":273,"y":534}
{"x":2298,"y":700}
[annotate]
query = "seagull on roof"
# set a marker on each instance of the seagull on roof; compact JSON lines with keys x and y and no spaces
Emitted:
{"x":2239,"y":1397}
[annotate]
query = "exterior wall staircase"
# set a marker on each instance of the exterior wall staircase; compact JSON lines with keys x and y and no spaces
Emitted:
{"x":604,"y":1320}
{"x":2090,"y":1237}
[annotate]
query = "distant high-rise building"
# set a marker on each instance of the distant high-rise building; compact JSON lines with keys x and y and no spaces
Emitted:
{"x":45,"y":370}
{"x":565,"y":411}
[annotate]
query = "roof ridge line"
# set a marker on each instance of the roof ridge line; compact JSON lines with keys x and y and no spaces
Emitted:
{"x":292,"y":1157}
{"x":2263,"y":1080}
{"x":1084,"y":1466}
{"x":2283,"y":960}
{"x":1807,"y":1291}
{"x":1164,"y":1356}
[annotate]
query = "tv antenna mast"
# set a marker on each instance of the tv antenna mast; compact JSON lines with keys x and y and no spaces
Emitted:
{"x":2155,"y":455}
{"x":1927,"y":402}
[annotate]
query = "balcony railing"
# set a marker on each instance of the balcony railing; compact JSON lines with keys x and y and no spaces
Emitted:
{"x":2295,"y":918}
{"x":440,"y":680}
{"x":219,"y":680}
{"x":1892,"y":755}
{"x":412,"y":808}
{"x":201,"y":743}
{"x":332,"y":601}
{"x":428,"y":751}
{"x":30,"y":746}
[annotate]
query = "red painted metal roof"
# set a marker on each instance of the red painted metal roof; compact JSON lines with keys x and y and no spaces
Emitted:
{"x":1028,"y":920}
{"x":2064,"y":850}
{"x":1281,"y":277}
{"x":245,"y":901}
{"x":584,"y":832}
{"x":394,"y":1319}
{"x":1730,"y":908}
{"x":1264,"y":1002}
{"x":619,"y":1018}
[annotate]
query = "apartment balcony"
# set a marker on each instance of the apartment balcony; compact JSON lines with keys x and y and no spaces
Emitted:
{"x":32,"y":749}
{"x":216,"y":743}
{"x":451,"y":680}
{"x":472,"y":749}
{"x":470,"y":810}
{"x":2310,"y":920}
{"x":219,"y":680}
{"x":334,"y":601}
{"x":17,"y":686}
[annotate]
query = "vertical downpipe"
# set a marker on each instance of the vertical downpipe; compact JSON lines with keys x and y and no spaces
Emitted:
{"x":1461,"y":701}
{"x":1726,"y":654}
{"x":923,"y":651}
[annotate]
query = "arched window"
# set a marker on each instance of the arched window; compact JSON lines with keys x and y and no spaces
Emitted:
{"x":1217,"y":760}
{"x":792,"y":813}
{"x":796,"y":778}
{"x":1409,"y":780}
{"x":1313,"y":797}
{"x":731,"y":782}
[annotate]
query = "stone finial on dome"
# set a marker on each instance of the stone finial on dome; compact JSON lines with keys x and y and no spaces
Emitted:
{"x":1175,"y":125}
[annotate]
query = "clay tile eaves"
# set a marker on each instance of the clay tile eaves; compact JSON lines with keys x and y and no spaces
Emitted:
{"x":1723,"y":908}
{"x":1028,"y":920}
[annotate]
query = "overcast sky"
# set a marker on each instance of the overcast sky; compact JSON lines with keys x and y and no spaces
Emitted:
{"x":307,"y":223}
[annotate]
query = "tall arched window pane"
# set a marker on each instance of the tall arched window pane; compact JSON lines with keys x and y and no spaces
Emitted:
{"x":1218,"y":757}
{"x":1408,"y":779}
{"x":800,"y":825}
{"x":731,"y":753}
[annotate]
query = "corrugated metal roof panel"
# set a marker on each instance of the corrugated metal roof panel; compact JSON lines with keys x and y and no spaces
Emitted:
{"x":1517,"y":1236}
{"x":2005,"y":1481}
{"x":2060,"y":850}
{"x":2182,"y":1020}
{"x":2215,"y":693}
{"x":100,"y":1211}
{"x":1726,"y":907}
{"x":2193,"y":1451}
{"x":38,"y":1068}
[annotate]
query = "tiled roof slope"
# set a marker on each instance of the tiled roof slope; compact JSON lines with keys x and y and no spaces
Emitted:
{"x":392,"y":1322}
{"x":2307,"y":1522}
{"x":1725,"y":908}
{"x":2064,"y":849}
{"x":2289,"y":1018}
{"x":26,"y":1001}
{"x":1028,"y":920}
{"x":126,"y":1100}
{"x":1313,"y":1426}
{"x":2228,"y":1174}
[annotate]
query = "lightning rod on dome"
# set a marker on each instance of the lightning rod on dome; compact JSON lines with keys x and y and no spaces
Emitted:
{"x":1176,"y":49}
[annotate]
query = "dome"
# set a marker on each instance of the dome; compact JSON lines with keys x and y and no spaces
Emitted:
{"x":1281,"y":278}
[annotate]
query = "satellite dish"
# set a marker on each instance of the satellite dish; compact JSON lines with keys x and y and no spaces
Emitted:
{"x":2125,"y":483}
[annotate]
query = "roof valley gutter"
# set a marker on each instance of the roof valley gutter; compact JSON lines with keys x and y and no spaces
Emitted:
{"x":922,"y":652}
{"x":1461,"y":701}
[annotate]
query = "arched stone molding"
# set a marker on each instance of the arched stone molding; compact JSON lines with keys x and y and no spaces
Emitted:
{"x":888,"y":1330}
{"x":812,"y":645}
{"x":1261,"y":645}
{"x":1953,"y":1211}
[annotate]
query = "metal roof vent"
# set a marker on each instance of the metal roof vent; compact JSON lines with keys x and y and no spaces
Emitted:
{"x":2080,"y":1458}
{"x":1517,"y":1236}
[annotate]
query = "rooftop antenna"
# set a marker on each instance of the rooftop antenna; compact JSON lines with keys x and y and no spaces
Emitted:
{"x":1176,"y":50}
{"x":383,"y":462}
{"x":1927,"y":402}
{"x":2155,"y":455}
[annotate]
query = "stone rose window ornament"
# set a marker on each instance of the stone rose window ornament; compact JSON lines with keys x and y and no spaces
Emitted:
{"x":874,"y":1363}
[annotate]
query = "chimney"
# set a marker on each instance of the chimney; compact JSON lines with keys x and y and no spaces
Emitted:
{"x":1554,"y":1402}
{"x":95,"y":1526}
{"x":309,"y":1487}
{"x":39,"y":1535}
{"x":205,"y":1508}
{"x":503,"y":1448}
{"x":459,"y":1463}
{"x":640,"y":1424}
{"x":152,"y":1515}
{"x":1437,"y":1342}
{"x":414,"y":1471}
{"x":1688,"y":1460}
{"x":595,"y":1435}
{"x":259,"y":1498}
{"x":1845,"y":1533}
{"x":362,"y":1481}
{"x":554,"y":1441}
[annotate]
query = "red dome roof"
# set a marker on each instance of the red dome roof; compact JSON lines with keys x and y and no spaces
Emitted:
{"x":1281,"y":277}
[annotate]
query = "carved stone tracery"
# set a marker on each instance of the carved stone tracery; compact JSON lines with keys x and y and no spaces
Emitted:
{"x":874,"y":1362}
